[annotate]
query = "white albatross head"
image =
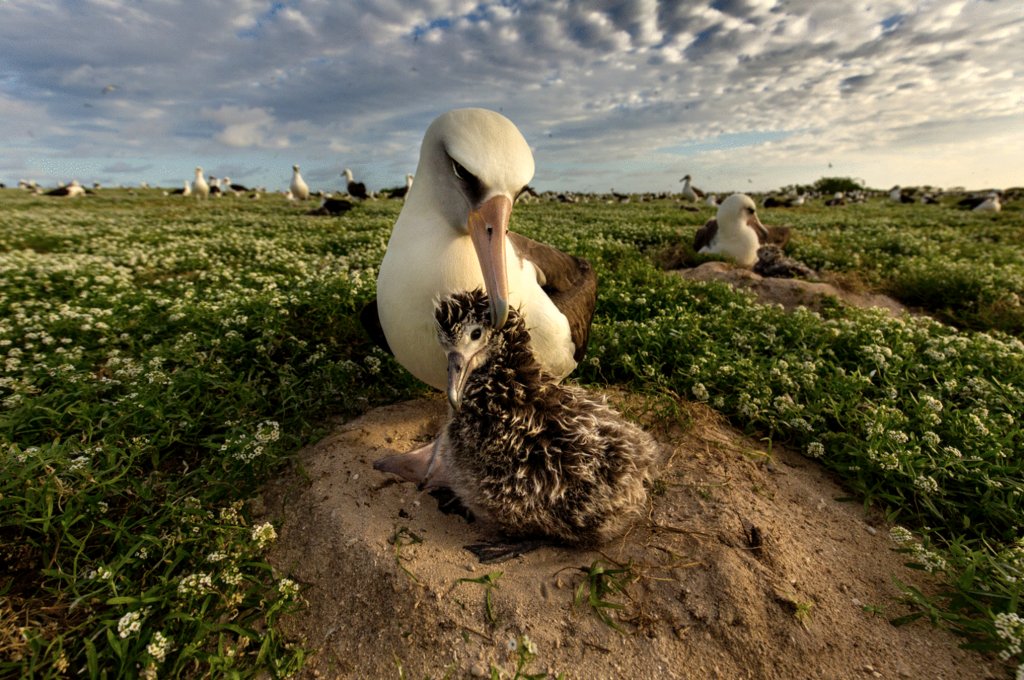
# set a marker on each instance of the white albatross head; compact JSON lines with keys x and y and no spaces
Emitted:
{"x":473,"y":164}
{"x":736,"y":211}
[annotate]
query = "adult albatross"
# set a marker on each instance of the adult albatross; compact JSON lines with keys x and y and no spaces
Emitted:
{"x":452,"y":235}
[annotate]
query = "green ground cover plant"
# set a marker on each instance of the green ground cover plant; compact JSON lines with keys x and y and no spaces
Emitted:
{"x":162,"y":357}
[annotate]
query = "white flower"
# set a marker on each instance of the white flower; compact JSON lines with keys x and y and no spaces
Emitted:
{"x":288,"y":588}
{"x":901,"y":535}
{"x":1010,"y":628}
{"x":264,"y":535}
{"x":130,"y":623}
{"x":195,"y":584}
{"x":158,"y":646}
{"x":926,"y":484}
{"x":815,"y":449}
{"x":700,"y":392}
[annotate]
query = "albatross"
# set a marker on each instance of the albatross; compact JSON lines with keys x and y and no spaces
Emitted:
{"x":736,"y":231}
{"x":690,"y":193}
{"x":298,"y":186}
{"x":452,"y":235}
{"x":199,"y":186}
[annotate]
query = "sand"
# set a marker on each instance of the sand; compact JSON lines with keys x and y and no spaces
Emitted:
{"x":748,"y":565}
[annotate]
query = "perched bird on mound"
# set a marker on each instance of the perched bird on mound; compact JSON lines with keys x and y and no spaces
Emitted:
{"x":534,"y":458}
{"x":735,"y":232}
{"x":452,"y":235}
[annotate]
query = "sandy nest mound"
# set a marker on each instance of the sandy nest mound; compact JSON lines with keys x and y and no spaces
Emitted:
{"x":748,"y":565}
{"x":790,"y":293}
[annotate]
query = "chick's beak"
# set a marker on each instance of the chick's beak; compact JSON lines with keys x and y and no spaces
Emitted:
{"x":458,"y":372}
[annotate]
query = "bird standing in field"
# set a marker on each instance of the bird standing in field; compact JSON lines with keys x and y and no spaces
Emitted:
{"x":199,"y":186}
{"x":400,"y":192}
{"x":689,"y":192}
{"x":298,"y":187}
{"x":523,"y":453}
{"x":355,"y":189}
{"x":452,"y":235}
{"x":735,"y":232}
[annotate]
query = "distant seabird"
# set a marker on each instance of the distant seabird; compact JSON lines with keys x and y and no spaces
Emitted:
{"x":70,"y":191}
{"x":400,"y":192}
{"x":452,"y":235}
{"x":836,"y":200}
{"x":227,"y":186}
{"x":711,"y":201}
{"x":736,"y":231}
{"x":690,"y":193}
{"x":298,"y":187}
{"x":355,"y":189}
{"x":199,"y":185}
{"x":990,"y":204}
{"x":898,"y":195}
{"x":185,"y":190}
{"x":534,"y":458}
{"x":332,"y":206}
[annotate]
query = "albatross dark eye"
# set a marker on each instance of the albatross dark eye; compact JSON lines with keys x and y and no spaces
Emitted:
{"x":475,"y":335}
{"x":474,"y":188}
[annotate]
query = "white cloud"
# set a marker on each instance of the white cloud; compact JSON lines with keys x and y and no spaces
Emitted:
{"x":590,"y":84}
{"x":246,"y":128}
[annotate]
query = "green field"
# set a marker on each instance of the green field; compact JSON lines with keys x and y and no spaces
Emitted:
{"x":163,"y":357}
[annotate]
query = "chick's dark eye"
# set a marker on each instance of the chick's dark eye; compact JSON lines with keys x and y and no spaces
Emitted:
{"x":475,"y":335}
{"x":460,"y":171}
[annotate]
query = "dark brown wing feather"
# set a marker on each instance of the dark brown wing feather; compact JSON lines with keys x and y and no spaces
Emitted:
{"x":569,"y":281}
{"x":371,"y":324}
{"x":705,"y":234}
{"x":777,"y":235}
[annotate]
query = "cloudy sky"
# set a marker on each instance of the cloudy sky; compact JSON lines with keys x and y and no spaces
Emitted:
{"x":745,"y":94}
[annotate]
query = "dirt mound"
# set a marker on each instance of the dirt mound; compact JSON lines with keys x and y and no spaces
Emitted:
{"x":746,"y":567}
{"x":790,"y":293}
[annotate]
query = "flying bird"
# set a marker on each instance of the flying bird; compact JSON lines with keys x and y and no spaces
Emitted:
{"x":298,"y":187}
{"x":355,"y":189}
{"x":534,"y":458}
{"x":452,"y":235}
{"x":735,"y":232}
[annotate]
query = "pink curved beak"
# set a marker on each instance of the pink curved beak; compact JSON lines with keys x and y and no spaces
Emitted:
{"x":488,"y":226}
